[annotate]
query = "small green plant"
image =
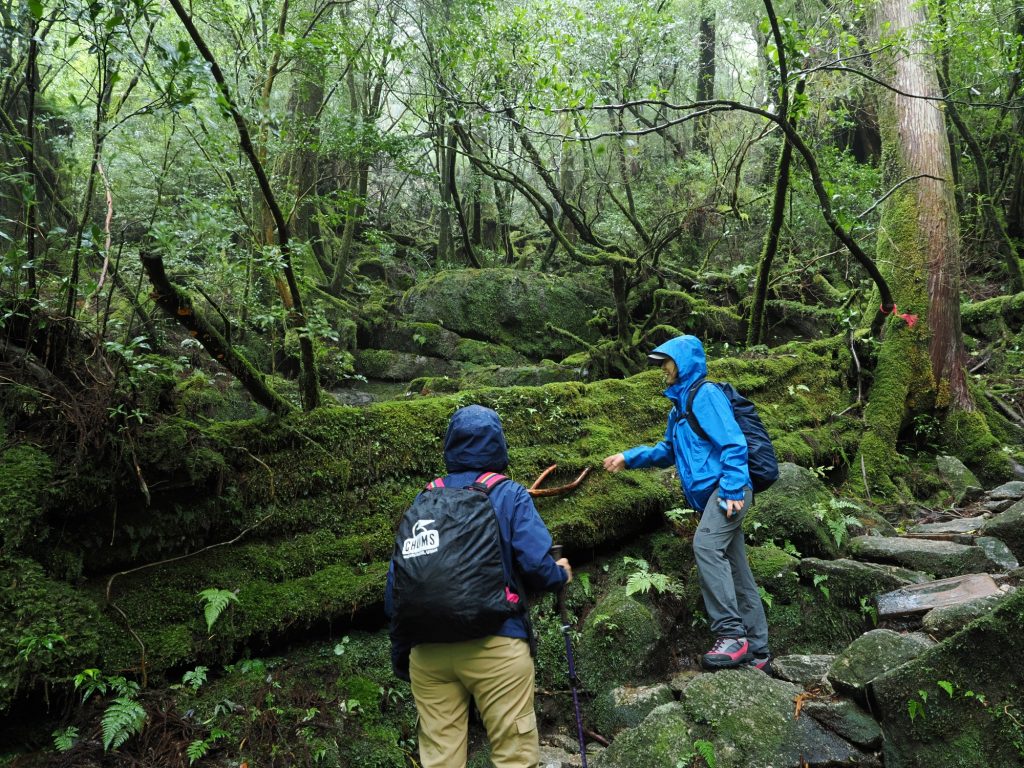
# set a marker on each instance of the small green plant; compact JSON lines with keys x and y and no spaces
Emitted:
{"x":790,"y":549}
{"x":341,"y":647}
{"x":836,"y":519}
{"x":643,"y":579}
{"x":64,"y":738}
{"x":766,"y":596}
{"x":915,"y":708}
{"x":700,"y":748}
{"x":123,"y":718}
{"x":819,"y":582}
{"x":215,"y":601}
{"x":194,"y":678}
{"x":199,"y":748}
{"x":869,"y":610}
{"x":679,"y":516}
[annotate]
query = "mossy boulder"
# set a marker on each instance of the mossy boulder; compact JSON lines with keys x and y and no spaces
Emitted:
{"x":742,"y":717}
{"x":790,"y":511}
{"x":939,"y":558}
{"x":973,"y":713}
{"x":399,"y":366}
{"x":949,"y":619}
{"x":804,"y":669}
{"x":957,"y":476}
{"x":850,"y":581}
{"x":812,"y":623}
{"x":775,"y":570}
{"x":619,"y":643}
{"x":871,"y":655}
{"x":848,"y":720}
{"x":510,"y":307}
{"x":626,"y":706}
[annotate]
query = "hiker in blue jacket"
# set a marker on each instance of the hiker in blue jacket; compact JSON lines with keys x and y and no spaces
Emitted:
{"x":497,"y":671}
{"x":715,"y":479}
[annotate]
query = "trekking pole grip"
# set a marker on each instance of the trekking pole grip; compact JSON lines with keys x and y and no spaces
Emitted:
{"x":556,"y":552}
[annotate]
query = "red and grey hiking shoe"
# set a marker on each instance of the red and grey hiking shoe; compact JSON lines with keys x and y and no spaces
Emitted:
{"x":762,"y":661}
{"x":726,"y":653}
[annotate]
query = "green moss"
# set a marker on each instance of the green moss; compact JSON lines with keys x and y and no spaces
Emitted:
{"x":968,"y":437}
{"x":617,"y":643}
{"x":24,"y":472}
{"x":775,"y":570}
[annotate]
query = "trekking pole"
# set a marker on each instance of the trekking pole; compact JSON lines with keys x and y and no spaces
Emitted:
{"x":563,"y":612}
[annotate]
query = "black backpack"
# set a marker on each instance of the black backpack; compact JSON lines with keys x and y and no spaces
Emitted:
{"x":450,"y":580}
{"x":761,"y":461}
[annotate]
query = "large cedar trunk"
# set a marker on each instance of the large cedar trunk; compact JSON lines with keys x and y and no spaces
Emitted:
{"x":921,"y":368}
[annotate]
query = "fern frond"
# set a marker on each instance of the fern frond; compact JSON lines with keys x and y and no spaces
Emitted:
{"x":123,"y":719}
{"x":216,"y":601}
{"x":706,"y":750}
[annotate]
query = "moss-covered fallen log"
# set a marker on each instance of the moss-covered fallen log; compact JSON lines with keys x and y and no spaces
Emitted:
{"x":316,"y":497}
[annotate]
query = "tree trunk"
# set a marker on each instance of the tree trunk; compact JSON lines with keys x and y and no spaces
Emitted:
{"x":920,"y":367}
{"x":705,"y":76}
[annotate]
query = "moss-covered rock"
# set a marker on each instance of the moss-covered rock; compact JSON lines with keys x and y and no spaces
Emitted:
{"x":973,"y":713}
{"x":626,"y":706}
{"x":853,"y":583}
{"x":872,"y":655}
{"x":775,"y":570}
{"x":957,"y":476}
{"x":399,"y":366}
{"x":939,"y":558}
{"x":618,"y":643}
{"x":949,"y":619}
{"x":789,"y":511}
{"x":510,"y":307}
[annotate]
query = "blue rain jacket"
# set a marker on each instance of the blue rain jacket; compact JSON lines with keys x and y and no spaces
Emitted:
{"x":474,"y":444}
{"x":703,"y":465}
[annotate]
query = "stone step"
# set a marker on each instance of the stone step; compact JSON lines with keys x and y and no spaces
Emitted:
{"x":939,"y":558}
{"x":958,"y":525}
{"x":921,"y":598}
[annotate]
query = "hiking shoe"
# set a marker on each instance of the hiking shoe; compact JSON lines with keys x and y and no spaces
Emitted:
{"x":726,"y":653}
{"x":762,"y":661}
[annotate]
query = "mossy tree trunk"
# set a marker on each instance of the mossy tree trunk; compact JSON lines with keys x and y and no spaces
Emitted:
{"x":921,"y":367}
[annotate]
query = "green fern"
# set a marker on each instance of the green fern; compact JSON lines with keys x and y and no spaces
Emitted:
{"x":196,"y":750}
{"x":216,"y":601}
{"x":64,"y":740}
{"x":643,"y":580}
{"x":706,"y":750}
{"x":123,"y":719}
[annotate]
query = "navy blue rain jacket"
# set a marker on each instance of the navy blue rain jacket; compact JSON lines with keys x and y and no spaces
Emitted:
{"x":703,"y":465}
{"x":474,"y":444}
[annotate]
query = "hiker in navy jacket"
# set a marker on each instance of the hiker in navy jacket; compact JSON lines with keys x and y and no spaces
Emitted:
{"x":497,"y":670}
{"x":716,"y":481}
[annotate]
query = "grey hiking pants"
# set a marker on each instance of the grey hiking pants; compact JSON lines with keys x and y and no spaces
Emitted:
{"x":726,"y":582}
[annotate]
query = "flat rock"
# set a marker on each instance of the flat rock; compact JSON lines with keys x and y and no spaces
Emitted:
{"x":949,"y":619}
{"x":627,"y":706}
{"x":848,"y":720}
{"x":1011,"y":490}
{"x":940,"y":558}
{"x":554,"y":757}
{"x":956,"y":475}
{"x":872,"y":654}
{"x":920,"y":598}
{"x":805,"y":670}
{"x":956,"y":525}
{"x":999,"y":505}
{"x":850,"y":580}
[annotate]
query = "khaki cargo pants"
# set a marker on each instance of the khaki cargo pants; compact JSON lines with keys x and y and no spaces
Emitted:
{"x":495,"y":671}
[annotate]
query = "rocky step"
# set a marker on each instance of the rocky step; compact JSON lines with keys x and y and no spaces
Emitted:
{"x":921,"y":598}
{"x":939,"y":558}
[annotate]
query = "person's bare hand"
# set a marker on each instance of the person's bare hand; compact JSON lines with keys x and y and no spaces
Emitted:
{"x":563,"y":563}
{"x":615,"y":463}
{"x":732,"y":506}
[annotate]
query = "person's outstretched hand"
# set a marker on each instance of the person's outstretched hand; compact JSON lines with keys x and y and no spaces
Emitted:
{"x":563,"y":563}
{"x":615,"y":463}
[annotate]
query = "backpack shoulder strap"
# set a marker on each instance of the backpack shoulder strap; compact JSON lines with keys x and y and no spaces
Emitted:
{"x":691,"y":417}
{"x":488,"y":480}
{"x":436,"y":483}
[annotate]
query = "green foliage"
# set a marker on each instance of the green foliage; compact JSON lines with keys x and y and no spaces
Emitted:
{"x":124,"y":717}
{"x":64,"y":738}
{"x":214,"y":602}
{"x":643,"y":579}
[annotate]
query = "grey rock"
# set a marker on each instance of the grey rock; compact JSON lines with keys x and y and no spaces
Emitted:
{"x":940,"y":558}
{"x":803,"y":669}
{"x":873,"y":654}
{"x":942,"y":622}
{"x":1008,"y":526}
{"x":972,"y":494}
{"x":553,"y":757}
{"x":619,"y":642}
{"x":1011,"y":490}
{"x":998,"y":552}
{"x":956,"y":475}
{"x":996,"y":506}
{"x":848,"y":720}
{"x":956,"y":525}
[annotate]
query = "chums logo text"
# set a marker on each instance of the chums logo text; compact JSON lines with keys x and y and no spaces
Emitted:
{"x":423,"y":541}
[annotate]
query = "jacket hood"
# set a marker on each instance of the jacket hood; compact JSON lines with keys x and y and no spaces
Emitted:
{"x":688,"y":354}
{"x":475,"y":441}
